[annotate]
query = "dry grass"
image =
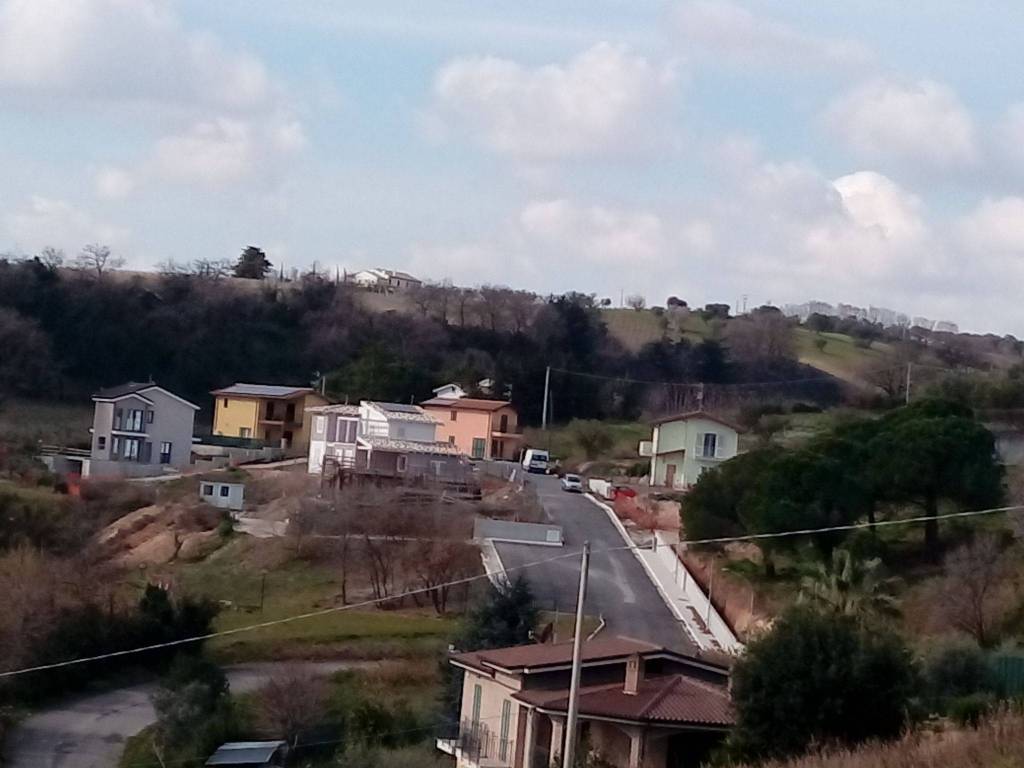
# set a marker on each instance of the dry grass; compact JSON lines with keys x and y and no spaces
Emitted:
{"x":996,"y":743}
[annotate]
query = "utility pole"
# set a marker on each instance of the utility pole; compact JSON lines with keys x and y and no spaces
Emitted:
{"x":569,"y":753}
{"x":907,"y":393}
{"x":547,"y":384}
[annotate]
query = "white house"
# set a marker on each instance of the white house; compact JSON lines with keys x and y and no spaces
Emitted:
{"x":391,"y":439}
{"x":450,"y":391}
{"x":385,"y":280}
{"x":685,"y":445}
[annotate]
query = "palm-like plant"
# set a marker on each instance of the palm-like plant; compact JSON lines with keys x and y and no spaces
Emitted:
{"x":852,"y":587}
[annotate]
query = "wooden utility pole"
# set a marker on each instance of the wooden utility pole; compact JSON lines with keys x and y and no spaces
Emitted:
{"x":907,"y":393}
{"x":569,"y":753}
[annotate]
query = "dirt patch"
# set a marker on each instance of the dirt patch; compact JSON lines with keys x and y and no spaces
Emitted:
{"x":153,"y":535}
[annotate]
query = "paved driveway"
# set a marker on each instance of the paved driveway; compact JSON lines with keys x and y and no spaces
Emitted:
{"x":89,"y":731}
{"x":619,"y":588}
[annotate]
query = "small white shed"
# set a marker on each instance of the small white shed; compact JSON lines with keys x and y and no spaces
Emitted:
{"x":222,"y":493}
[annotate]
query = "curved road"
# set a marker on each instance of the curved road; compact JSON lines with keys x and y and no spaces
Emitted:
{"x":620,"y":589}
{"x":90,"y":731}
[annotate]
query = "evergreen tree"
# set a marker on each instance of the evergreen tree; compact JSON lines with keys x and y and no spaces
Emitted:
{"x":252,"y":264}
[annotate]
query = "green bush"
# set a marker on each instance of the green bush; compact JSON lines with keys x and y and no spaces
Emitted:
{"x":969,"y":711}
{"x":819,"y":678}
{"x":956,"y":671}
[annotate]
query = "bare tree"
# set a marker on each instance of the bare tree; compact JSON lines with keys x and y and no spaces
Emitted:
{"x":51,"y":257}
{"x":760,"y":336}
{"x":636,"y":302}
{"x":974,"y":574}
{"x":212,"y":269}
{"x":435,"y":564}
{"x":494,"y":305}
{"x":463,"y":299}
{"x":291,"y":702}
{"x":522,"y":307}
{"x":96,"y":260}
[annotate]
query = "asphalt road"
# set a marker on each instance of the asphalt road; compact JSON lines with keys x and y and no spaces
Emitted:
{"x":90,"y":731}
{"x":619,"y":588}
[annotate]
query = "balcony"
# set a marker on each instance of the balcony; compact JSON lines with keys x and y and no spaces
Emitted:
{"x":477,"y":745}
{"x":512,"y":431}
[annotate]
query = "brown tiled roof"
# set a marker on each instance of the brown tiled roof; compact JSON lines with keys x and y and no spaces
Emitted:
{"x":553,"y":655}
{"x":465,"y":403}
{"x":696,"y":415}
{"x":663,"y":699}
{"x":394,"y":445}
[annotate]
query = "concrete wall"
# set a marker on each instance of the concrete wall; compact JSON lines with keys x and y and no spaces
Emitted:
{"x":213,"y":493}
{"x":173,"y":422}
{"x":463,"y":429}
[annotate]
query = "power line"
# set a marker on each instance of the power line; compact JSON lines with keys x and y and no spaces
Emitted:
{"x":469,"y":579}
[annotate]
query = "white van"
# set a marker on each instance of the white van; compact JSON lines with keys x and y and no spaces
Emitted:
{"x":536,"y":460}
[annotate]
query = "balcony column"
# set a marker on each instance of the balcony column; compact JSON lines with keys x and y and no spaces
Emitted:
{"x":525,"y":729}
{"x":557,"y":737}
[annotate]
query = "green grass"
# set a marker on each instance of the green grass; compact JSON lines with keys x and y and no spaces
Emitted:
{"x":24,"y":421}
{"x":626,"y":437}
{"x":296,"y":586}
{"x":840,"y":357}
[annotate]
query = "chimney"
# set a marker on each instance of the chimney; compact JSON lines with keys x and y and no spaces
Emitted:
{"x":634,"y":674}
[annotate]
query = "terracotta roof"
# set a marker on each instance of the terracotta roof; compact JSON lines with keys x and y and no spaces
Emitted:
{"x":466,"y":403}
{"x":662,"y":699}
{"x":340,"y":409}
{"x":696,"y":415}
{"x":409,"y":446}
{"x":262,"y":390}
{"x":553,"y":655}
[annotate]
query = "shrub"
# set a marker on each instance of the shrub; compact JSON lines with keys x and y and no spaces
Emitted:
{"x":593,"y":437}
{"x":969,"y":711}
{"x":805,"y":408}
{"x":819,"y":678}
{"x":954,"y":671}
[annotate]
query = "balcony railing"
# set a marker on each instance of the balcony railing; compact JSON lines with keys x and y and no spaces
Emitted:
{"x":477,"y":744}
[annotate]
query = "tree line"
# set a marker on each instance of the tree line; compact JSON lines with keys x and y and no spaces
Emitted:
{"x":67,"y":332}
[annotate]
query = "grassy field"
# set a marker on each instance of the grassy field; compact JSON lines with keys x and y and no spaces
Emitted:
{"x":23,"y":421}
{"x":560,"y":440}
{"x":237,"y":573}
{"x":634,"y":329}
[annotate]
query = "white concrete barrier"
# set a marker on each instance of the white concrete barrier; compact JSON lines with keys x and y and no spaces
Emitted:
{"x":719,"y":629}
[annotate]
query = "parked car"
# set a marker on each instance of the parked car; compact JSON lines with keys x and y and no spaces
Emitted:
{"x":536,"y":460}
{"x":572,"y":483}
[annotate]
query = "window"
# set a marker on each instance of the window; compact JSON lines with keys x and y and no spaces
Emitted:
{"x":506,"y":720}
{"x":165,"y":453}
{"x":118,"y":414}
{"x":503,"y":425}
{"x":495,"y":448}
{"x":319,"y":424}
{"x":289,"y":412}
{"x":115,"y":447}
{"x":224,"y":490}
{"x":345,"y":431}
{"x":101,"y":442}
{"x":455,"y":415}
{"x":477,"y":695}
{"x":207,"y":489}
{"x":131,"y":450}
{"x":451,"y":439}
{"x":244,"y":432}
{"x":479,"y":447}
{"x":130,"y":421}
{"x":149,"y":416}
{"x":224,"y":402}
{"x":402,"y":463}
{"x":709,"y":445}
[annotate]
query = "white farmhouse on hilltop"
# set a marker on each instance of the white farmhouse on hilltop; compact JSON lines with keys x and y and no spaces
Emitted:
{"x":384,"y":280}
{"x":685,"y":445}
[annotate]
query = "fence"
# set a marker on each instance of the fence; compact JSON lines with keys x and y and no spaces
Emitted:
{"x":717,"y":626}
{"x":1009,"y":671}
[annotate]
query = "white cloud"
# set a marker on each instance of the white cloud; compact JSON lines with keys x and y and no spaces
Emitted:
{"x":874,"y":201}
{"x":595,"y":234}
{"x":212,"y":152}
{"x":724,"y":29}
{"x":605,"y":100}
{"x":113,"y":183}
{"x":922,"y":123}
{"x":995,"y":225}
{"x":225,"y":150}
{"x":1009,"y":137}
{"x":44,"y":221}
{"x":121,"y":51}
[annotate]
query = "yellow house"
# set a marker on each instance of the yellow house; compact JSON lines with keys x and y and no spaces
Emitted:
{"x":273,"y":414}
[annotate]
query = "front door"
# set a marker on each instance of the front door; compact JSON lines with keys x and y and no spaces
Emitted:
{"x":670,"y":475}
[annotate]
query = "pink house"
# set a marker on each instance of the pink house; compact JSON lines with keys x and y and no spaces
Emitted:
{"x":480,"y":429}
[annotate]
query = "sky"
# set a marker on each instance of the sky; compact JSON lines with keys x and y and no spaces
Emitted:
{"x":868,"y":152}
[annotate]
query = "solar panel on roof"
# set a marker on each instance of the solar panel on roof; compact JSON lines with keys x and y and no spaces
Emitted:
{"x":400,"y":408}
